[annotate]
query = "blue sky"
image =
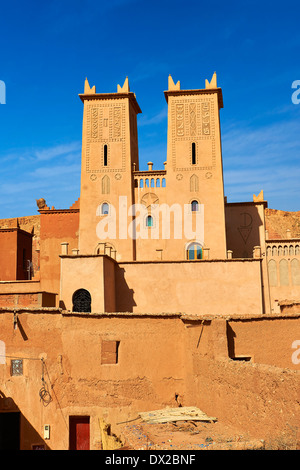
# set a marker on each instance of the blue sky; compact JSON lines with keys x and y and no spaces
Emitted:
{"x":49,"y":48}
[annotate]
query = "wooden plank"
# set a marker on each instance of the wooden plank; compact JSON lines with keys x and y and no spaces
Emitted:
{"x":166,"y":415}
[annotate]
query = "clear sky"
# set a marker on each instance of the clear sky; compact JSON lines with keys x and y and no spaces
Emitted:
{"x":49,"y":48}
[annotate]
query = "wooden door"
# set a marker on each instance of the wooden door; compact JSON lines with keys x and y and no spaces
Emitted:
{"x":79,"y":431}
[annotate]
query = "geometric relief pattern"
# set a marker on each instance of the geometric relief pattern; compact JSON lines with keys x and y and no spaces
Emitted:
{"x":105,"y":185}
{"x":194,"y":183}
{"x":194,"y":120}
{"x":105,"y":125}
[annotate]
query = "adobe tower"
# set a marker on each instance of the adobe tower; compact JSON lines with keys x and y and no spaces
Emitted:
{"x":109,"y":154}
{"x":194,"y":157}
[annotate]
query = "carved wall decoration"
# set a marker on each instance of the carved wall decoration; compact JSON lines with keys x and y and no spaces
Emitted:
{"x":93,"y":177}
{"x":194,"y":121}
{"x":272,"y":268}
{"x":117,"y":122}
{"x":180,"y":119}
{"x":105,"y":185}
{"x":94,"y":126}
{"x":179,"y":177}
{"x":194,"y":183}
{"x":149,"y":198}
{"x":105,"y":125}
{"x":205,"y":118}
{"x":295,"y":272}
{"x":284,"y":272}
{"x":245,"y":227}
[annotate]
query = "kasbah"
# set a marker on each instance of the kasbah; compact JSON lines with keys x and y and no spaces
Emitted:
{"x":125,"y":340}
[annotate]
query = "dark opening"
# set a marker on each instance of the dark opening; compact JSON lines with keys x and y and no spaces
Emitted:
{"x":193,"y":153}
{"x":149,"y":221}
{"x":82,"y":301}
{"x":24,"y":259}
{"x":105,"y":155}
{"x":9,"y":431}
{"x":194,"y":206}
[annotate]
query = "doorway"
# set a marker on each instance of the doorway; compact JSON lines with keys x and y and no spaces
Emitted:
{"x":79,"y":433}
{"x":10,"y":431}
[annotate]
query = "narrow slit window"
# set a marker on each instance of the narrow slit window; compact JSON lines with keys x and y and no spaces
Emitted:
{"x":193,"y":153}
{"x":105,"y":155}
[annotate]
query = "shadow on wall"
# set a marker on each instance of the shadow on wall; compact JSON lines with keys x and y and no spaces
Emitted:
{"x":124,"y":295}
{"x":13,"y":424}
{"x":242,"y":229}
{"x":230,"y":341}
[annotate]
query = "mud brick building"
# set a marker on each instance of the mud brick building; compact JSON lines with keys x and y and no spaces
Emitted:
{"x":150,"y":287}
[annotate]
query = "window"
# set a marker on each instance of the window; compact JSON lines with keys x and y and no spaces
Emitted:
{"x":110,"y":352}
{"x":82,"y":301}
{"x":149,"y":221}
{"x":17,"y":367}
{"x":193,"y":153}
{"x":104,"y":208}
{"x":105,"y":155}
{"x":194,"y":206}
{"x":194,"y":251}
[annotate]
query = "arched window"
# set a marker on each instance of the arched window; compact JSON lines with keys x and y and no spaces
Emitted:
{"x":152,"y":183}
{"x":194,"y":206}
{"x":82,"y":301}
{"x":157,"y":182}
{"x":149,"y":221}
{"x":146,"y":183}
{"x":104,"y":208}
{"x":194,"y":251}
{"x":163,"y":183}
{"x":141,"y":183}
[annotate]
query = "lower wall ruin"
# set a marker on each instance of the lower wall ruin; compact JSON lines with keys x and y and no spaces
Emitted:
{"x":110,"y":367}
